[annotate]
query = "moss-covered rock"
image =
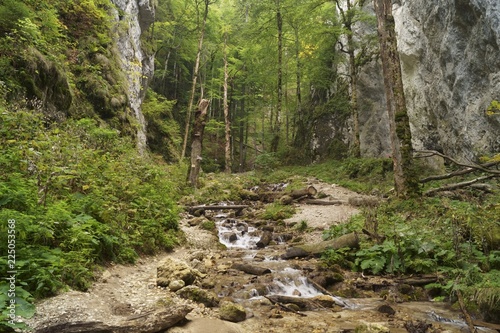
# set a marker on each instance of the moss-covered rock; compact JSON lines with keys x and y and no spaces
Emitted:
{"x":199,"y":295}
{"x":232,"y":312}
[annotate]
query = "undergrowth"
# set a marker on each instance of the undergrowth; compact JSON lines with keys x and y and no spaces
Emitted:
{"x":80,"y":196}
{"x":457,"y":240}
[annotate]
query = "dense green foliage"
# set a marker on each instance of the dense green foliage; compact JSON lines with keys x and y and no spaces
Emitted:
{"x":61,"y":54}
{"x":457,"y":238}
{"x":80,"y":195}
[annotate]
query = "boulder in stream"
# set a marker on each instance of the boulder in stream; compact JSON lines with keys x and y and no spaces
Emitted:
{"x":232,"y":312}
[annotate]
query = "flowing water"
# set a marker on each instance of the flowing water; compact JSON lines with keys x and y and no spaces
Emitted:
{"x":287,"y":279}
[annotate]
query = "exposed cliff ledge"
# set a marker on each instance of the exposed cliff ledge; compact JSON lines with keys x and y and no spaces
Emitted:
{"x":135,"y":17}
{"x":451,"y":71}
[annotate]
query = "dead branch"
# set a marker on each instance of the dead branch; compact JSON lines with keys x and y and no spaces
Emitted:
{"x":452,"y":187}
{"x":468,"y":319}
{"x":468,"y":168}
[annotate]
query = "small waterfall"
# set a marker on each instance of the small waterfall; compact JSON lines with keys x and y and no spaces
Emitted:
{"x":237,"y":234}
{"x":291,"y":282}
{"x":137,"y":66}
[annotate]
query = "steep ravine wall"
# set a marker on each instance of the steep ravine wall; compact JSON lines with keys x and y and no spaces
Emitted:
{"x":134,"y":17}
{"x":450,"y":60}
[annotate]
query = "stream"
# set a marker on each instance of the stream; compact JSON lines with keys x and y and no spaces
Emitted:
{"x":290,"y":278}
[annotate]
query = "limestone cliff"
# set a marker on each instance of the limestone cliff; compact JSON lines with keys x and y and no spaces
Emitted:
{"x":451,"y":71}
{"x":134,"y":17}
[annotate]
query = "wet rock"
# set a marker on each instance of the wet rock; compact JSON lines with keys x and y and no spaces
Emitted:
{"x":417,"y":326}
{"x":232,"y":312}
{"x":199,"y":295}
{"x":326,"y":279}
{"x":387,"y":309}
{"x":171,"y":269}
{"x":264,"y":240}
{"x":251,"y":269}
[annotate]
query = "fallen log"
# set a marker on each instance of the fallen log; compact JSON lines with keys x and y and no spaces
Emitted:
{"x":451,"y":187}
{"x":286,"y":307}
{"x":418,"y":280}
{"x":215,"y":207}
{"x":251,"y":269}
{"x":323,"y":202}
{"x":309,"y":191}
{"x":349,"y":240}
{"x":149,"y":322}
{"x":265,"y":239}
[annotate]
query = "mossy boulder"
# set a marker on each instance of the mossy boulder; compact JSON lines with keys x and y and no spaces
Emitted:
{"x":232,"y":312}
{"x":199,"y":295}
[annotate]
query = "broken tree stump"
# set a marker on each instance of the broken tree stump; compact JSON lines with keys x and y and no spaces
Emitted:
{"x":197,"y":140}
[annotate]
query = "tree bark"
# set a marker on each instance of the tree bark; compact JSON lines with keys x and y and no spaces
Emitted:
{"x":227,"y":121}
{"x":405,"y":180}
{"x":305,"y":192}
{"x":349,"y":240}
{"x":277,"y":125}
{"x":197,"y":140}
{"x":195,"y":79}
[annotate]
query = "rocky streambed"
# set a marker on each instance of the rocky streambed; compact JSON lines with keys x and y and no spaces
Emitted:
{"x":240,"y":279}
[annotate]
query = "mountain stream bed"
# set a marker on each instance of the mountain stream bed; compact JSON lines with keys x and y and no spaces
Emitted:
{"x":278,"y":295}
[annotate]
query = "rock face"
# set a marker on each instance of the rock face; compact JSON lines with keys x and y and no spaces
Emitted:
{"x":134,"y":17}
{"x":451,"y":72}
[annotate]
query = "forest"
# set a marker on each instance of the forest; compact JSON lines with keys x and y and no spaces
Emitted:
{"x":114,"y":121}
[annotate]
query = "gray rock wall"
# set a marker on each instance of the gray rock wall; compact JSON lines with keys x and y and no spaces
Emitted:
{"x":450,"y":59}
{"x":133,"y":17}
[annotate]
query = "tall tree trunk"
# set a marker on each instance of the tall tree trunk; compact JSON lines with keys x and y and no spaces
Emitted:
{"x":405,"y":178}
{"x":277,"y":127}
{"x":242,"y":125}
{"x":347,"y":22}
{"x":227,"y":121}
{"x":298,"y":75}
{"x":356,"y":149}
{"x":197,"y":141}
{"x":195,"y":79}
